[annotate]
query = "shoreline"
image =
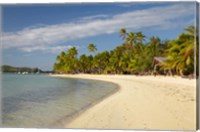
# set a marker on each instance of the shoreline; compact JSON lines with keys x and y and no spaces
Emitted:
{"x":141,"y":103}
{"x":67,"y":119}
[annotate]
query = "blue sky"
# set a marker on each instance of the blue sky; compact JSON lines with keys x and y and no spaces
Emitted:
{"x":33,"y":35}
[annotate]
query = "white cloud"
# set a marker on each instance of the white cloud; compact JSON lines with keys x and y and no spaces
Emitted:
{"x":89,"y":18}
{"x":136,"y":3}
{"x":44,"y":38}
{"x":49,"y":49}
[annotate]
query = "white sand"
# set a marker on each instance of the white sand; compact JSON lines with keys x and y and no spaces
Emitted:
{"x":143,"y":102}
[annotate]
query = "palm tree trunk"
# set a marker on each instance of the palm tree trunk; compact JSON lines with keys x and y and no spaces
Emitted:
{"x":181,"y":73}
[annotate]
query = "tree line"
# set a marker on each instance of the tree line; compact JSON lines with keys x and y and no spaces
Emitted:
{"x":12,"y":69}
{"x":134,"y":56}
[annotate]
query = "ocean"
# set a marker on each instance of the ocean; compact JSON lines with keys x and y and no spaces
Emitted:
{"x":41,"y":101}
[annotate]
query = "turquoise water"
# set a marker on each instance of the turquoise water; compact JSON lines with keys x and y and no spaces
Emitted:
{"x":41,"y":101}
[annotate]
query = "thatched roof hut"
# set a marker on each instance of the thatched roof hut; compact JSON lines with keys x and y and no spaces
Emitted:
{"x":157,"y":61}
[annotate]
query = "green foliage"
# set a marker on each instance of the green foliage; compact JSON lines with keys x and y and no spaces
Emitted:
{"x":134,"y":56}
{"x":181,"y":53}
{"x":11,"y":69}
{"x":123,"y":33}
{"x":85,"y":63}
{"x":92,"y":47}
{"x":100,"y":62}
{"x":67,"y":62}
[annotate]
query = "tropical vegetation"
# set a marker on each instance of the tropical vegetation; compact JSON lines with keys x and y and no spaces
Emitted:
{"x":12,"y":69}
{"x":134,"y":56}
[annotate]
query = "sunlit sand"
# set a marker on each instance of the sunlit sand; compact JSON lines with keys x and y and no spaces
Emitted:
{"x":143,"y":102}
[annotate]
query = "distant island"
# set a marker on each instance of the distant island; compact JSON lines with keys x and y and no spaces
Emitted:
{"x":21,"y":70}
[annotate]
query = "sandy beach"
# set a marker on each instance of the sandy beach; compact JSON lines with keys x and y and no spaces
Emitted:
{"x":143,"y":102}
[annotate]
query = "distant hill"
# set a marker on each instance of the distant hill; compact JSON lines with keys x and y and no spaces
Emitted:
{"x":12,"y":69}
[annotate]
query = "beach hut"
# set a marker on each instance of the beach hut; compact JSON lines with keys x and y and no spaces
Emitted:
{"x":157,"y":61}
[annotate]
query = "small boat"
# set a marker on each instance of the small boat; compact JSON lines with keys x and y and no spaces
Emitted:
{"x":24,"y":73}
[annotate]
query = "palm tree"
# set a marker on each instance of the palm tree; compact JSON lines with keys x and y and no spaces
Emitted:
{"x":92,"y":47}
{"x":123,"y":33}
{"x":140,"y":37}
{"x":73,"y":52}
{"x":72,"y":60}
{"x":135,"y":38}
{"x":61,"y":59}
{"x":154,"y":46}
{"x":100,"y":61}
{"x":190,"y":30}
{"x":131,"y":39}
{"x":188,"y":50}
{"x":181,"y":52}
{"x":83,"y":63}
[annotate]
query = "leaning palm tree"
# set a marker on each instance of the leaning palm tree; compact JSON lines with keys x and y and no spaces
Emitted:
{"x":187,"y":45}
{"x":190,"y":30}
{"x":181,"y":52}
